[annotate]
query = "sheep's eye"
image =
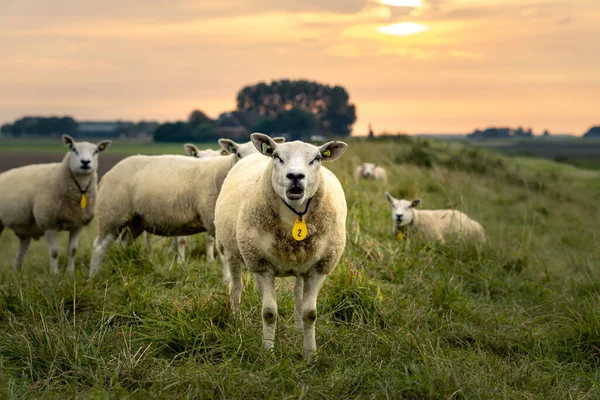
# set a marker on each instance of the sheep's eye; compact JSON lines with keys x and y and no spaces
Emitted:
{"x":96,"y":151}
{"x":74,"y":150}
{"x":238,"y":155}
{"x":317,"y":159}
{"x":276,"y":156}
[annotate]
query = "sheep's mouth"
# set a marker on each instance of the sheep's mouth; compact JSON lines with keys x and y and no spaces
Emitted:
{"x":295,"y":193}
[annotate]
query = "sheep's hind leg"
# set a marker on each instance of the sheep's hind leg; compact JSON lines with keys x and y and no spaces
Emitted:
{"x":73,"y":242}
{"x":181,"y":240}
{"x":101,"y":245}
{"x":312,"y":286}
{"x":235,"y":282}
{"x":266,"y":286}
{"x":24,"y":243}
{"x":52,"y":249}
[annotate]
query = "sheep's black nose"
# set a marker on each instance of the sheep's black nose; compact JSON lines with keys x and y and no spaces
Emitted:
{"x":295,"y":177}
{"x":85,"y":163}
{"x":399,"y":218}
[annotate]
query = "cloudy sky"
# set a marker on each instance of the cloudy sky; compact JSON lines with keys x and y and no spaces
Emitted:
{"x":436,"y":66}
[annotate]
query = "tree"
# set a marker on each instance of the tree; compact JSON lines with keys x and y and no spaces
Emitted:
{"x":172,"y":132}
{"x":297,"y":122}
{"x":593,"y":132}
{"x":197,"y":118}
{"x":6,"y":128}
{"x":329,"y":104}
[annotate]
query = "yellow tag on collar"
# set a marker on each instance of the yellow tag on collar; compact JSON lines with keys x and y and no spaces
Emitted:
{"x":399,"y":236}
{"x":299,"y":231}
{"x":83,"y":201}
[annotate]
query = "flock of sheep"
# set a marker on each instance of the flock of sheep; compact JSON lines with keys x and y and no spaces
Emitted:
{"x":268,"y":205}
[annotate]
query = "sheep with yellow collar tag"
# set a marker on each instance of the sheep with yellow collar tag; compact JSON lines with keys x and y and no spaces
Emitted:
{"x":42,"y":199}
{"x":264,"y":204}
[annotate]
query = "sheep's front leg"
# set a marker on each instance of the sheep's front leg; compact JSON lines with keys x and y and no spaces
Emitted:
{"x":210,"y":248}
{"x":266,"y":286}
{"x":312,"y":286}
{"x":52,"y":249}
{"x":236,"y":286}
{"x":181,"y":240}
{"x":100,"y":246}
{"x":298,"y":297}
{"x":73,"y":242}
{"x":24,"y":243}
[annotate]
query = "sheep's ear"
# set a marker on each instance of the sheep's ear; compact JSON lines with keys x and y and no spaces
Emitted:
{"x":279,"y":139}
{"x":228,"y":145}
{"x":389,"y":197}
{"x":263,"y":143}
{"x":68,"y":140}
{"x":191,"y":150}
{"x":105,"y":144}
{"x":332,"y":150}
{"x":415,"y":203}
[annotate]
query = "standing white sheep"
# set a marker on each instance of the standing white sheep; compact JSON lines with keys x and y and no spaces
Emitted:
{"x":284,"y":215}
{"x":167,"y":195}
{"x":42,"y":199}
{"x":370,"y":171}
{"x":433,"y":224}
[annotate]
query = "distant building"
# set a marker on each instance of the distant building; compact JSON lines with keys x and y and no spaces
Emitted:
{"x":236,"y":125}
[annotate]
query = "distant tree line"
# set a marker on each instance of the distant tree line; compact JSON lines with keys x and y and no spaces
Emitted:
{"x":502,"y":133}
{"x":54,"y":126}
{"x":593,"y":132}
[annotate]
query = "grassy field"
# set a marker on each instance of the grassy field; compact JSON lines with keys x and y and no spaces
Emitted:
{"x":583,"y":153}
{"x":516,"y":318}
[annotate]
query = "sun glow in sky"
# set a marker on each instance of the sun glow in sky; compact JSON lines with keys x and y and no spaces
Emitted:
{"x":412,"y":66}
{"x":402,"y":29}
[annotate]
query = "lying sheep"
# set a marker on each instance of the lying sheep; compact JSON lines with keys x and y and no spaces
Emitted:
{"x":42,"y":199}
{"x":370,"y":171}
{"x":433,"y":224}
{"x":284,"y":215}
{"x":167,"y":195}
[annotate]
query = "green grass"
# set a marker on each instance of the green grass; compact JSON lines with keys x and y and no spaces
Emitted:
{"x":516,"y":318}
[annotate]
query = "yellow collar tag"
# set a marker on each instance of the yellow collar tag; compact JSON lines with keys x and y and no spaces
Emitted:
{"x":299,"y":231}
{"x":400,"y":236}
{"x":83,"y":201}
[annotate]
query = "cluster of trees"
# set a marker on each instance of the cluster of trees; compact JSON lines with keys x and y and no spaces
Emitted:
{"x":198,"y":128}
{"x":502,"y":133}
{"x":329,"y":104}
{"x":593,"y":132}
{"x":41,"y":125}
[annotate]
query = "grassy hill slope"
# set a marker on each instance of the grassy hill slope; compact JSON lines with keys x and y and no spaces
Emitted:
{"x":516,"y":318}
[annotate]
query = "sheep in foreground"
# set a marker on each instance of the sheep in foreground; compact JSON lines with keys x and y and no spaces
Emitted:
{"x":167,"y":195}
{"x":42,"y":199}
{"x":370,"y":171}
{"x":433,"y":224}
{"x":284,"y":215}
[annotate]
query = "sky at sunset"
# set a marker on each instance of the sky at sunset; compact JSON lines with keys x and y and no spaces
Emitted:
{"x":416,"y":66}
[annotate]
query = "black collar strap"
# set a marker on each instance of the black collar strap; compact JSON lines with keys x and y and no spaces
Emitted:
{"x":78,"y":186}
{"x":299,"y":214}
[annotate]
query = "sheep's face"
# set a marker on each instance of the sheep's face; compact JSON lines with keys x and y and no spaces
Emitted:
{"x":193,"y":151}
{"x":244,"y":149}
{"x":296,"y":166}
{"x":368,"y":170}
{"x":84,"y":155}
{"x":402,"y":210}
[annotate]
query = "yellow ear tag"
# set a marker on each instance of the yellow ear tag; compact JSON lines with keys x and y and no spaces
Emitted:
{"x":399,"y":236}
{"x":83,"y":202}
{"x":299,"y":231}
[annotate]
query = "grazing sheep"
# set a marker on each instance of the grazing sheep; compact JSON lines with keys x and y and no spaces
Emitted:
{"x":434,"y":224}
{"x":254,"y":219}
{"x":42,"y":199}
{"x":167,"y":195}
{"x":370,"y":171}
